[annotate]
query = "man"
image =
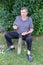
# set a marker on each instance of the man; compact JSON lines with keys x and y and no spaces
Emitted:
{"x":24,"y":27}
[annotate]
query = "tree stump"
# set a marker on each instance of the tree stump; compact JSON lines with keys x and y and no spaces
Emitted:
{"x":20,"y":42}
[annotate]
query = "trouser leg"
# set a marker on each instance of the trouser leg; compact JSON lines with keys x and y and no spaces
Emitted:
{"x":9,"y":36}
{"x":29,"y":42}
{"x":28,"y":39}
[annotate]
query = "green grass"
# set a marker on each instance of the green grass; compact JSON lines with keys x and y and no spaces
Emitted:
{"x":12,"y":58}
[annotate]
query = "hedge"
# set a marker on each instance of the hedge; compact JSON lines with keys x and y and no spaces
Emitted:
{"x":9,"y":9}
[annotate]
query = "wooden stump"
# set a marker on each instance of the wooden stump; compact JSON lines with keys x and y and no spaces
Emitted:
{"x":20,"y":42}
{"x":19,"y":45}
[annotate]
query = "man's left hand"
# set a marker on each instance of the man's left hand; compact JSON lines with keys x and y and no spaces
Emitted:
{"x":24,"y":33}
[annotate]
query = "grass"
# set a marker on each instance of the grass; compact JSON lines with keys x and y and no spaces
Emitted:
{"x":12,"y":58}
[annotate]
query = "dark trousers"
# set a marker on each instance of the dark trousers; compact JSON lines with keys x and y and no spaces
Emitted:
{"x":14,"y":35}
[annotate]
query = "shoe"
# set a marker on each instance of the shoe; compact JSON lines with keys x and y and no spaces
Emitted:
{"x":30,"y":58}
{"x":9,"y":49}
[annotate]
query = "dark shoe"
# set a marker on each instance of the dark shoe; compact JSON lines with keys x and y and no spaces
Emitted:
{"x":30,"y":58}
{"x":9,"y":49}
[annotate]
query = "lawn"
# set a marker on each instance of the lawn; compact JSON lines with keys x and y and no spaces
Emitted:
{"x":12,"y":58}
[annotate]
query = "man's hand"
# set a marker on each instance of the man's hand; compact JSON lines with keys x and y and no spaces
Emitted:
{"x":15,"y":27}
{"x":24,"y":33}
{"x":29,"y":32}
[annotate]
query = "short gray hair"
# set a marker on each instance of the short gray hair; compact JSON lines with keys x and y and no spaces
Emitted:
{"x":24,"y":8}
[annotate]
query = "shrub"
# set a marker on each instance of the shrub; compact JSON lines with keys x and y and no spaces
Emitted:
{"x":11,"y":8}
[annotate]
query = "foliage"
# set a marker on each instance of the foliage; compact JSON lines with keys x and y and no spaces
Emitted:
{"x":11,"y":8}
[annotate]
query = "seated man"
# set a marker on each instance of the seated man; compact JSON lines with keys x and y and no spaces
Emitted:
{"x":24,"y":27}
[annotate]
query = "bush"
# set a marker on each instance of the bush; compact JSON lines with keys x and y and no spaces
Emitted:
{"x":38,"y":22}
{"x":5,"y":19}
{"x":12,"y":8}
{"x":4,"y":14}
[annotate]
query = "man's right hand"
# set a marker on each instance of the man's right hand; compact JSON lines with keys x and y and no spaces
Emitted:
{"x":15,"y":27}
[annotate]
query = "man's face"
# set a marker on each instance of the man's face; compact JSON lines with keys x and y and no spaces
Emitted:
{"x":24,"y":13}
